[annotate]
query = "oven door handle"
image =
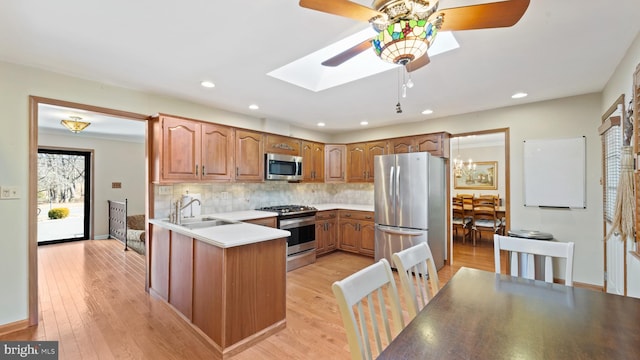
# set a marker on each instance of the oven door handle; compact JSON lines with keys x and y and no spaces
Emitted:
{"x":297,"y":222}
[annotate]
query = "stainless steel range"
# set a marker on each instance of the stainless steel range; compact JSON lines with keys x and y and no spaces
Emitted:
{"x":300,"y":220}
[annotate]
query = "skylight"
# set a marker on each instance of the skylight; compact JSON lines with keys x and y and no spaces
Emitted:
{"x":309,"y":73}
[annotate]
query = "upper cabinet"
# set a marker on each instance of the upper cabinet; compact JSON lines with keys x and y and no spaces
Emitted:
{"x":335,"y":163}
{"x":217,"y":152}
{"x":276,"y":144}
{"x":360,"y":160}
{"x":436,"y":144}
{"x":189,"y":150}
{"x":312,"y":162}
{"x":249,"y":156}
{"x":179,"y":149}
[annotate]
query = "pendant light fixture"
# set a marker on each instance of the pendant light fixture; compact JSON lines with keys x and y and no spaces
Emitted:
{"x":75,"y":125}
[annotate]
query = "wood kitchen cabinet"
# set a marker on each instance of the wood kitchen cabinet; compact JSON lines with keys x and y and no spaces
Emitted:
{"x":335,"y":163}
{"x":436,"y":144}
{"x":277,"y":144}
{"x":269,"y":222}
{"x":191,"y":151}
{"x":249,"y":156}
{"x":181,"y":273}
{"x":357,"y":232}
{"x":326,"y":231}
{"x":312,"y":161}
{"x":159,"y":262}
{"x":360,"y":160}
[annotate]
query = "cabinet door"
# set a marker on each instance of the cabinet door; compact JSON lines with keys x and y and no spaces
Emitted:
{"x":402,"y":145}
{"x":312,"y":162}
{"x":356,"y":162}
{"x":249,"y":156}
{"x":331,"y":235}
{"x":180,"y":149}
{"x":321,"y":237}
{"x":318,"y":162}
{"x":349,"y":235}
{"x":436,"y":144}
{"x":268,"y":222}
{"x":367,"y":238}
{"x":335,"y":161}
{"x":373,"y":149}
{"x":277,"y":144}
{"x":217,"y":153}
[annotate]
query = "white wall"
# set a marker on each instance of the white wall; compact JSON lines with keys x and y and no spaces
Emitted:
{"x":114,"y":161}
{"x":621,"y":82}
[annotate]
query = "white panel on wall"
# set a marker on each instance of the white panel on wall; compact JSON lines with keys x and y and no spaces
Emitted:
{"x":555,"y":172}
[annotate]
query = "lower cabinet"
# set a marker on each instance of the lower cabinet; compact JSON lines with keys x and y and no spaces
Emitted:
{"x":326,"y":231}
{"x":357,"y":232}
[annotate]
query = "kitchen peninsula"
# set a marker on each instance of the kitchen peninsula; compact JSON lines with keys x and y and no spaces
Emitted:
{"x":228,"y":281}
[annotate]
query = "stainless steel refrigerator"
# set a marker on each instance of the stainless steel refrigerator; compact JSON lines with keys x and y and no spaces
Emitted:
{"x":410,"y":204}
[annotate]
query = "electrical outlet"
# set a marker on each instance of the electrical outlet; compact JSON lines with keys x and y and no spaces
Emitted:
{"x":165,"y":190}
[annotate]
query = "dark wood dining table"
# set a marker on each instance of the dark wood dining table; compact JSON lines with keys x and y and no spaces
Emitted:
{"x":483,"y":315}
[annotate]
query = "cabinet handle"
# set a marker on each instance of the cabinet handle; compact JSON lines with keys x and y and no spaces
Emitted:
{"x":326,"y":226}
{"x":237,"y":170}
{"x":203,"y":172}
{"x":347,"y":215}
{"x":367,"y":217}
{"x":196,"y":170}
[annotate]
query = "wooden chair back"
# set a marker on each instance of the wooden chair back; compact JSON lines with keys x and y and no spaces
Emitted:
{"x":485,"y":216}
{"x":359,"y":296}
{"x":467,"y":199}
{"x":418,"y":276}
{"x":548,"y":249}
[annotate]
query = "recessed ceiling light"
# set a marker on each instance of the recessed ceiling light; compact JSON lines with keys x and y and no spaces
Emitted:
{"x":519,"y":95}
{"x":254,"y":107}
{"x":208,"y":84}
{"x":320,"y":124}
{"x":363,"y":123}
{"x":427,"y":112}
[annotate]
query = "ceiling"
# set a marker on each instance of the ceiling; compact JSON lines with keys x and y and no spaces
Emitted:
{"x":559,"y":48}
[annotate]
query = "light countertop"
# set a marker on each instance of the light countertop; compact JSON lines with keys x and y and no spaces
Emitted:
{"x":226,"y":236}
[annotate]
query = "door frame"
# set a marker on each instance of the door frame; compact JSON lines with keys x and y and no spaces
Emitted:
{"x":32,"y":238}
{"x":507,"y":181}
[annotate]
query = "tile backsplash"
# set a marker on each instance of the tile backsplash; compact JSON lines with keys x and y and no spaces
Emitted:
{"x":217,"y":198}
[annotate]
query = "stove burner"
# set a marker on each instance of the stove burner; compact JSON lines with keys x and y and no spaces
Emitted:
{"x":289,"y":209}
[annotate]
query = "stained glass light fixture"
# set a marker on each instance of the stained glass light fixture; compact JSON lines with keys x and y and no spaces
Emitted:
{"x":405,"y":40}
{"x":75,"y":125}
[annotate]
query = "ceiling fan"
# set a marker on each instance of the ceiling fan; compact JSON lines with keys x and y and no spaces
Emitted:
{"x":406,"y":28}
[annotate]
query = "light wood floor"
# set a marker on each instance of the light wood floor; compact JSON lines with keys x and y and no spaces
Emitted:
{"x":92,"y":300}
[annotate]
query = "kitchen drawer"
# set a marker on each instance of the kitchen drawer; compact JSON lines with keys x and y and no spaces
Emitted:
{"x":356,"y":215}
{"x":326,"y":215}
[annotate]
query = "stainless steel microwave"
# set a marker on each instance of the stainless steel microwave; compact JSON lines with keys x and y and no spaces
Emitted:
{"x":282,"y":167}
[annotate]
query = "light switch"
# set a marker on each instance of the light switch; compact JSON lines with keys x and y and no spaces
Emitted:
{"x":9,"y":192}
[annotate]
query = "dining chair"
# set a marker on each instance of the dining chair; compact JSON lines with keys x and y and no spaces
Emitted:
{"x":527,"y":248}
{"x":418,"y":276}
{"x":358,"y":296}
{"x":485,"y":217}
{"x":459,"y":219}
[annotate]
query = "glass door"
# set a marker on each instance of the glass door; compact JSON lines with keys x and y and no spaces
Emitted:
{"x":63,"y":195}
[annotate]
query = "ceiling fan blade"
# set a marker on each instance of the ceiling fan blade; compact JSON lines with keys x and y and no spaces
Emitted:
{"x":483,"y":16}
{"x":418,"y":63}
{"x":347,"y":54}
{"x":342,"y":8}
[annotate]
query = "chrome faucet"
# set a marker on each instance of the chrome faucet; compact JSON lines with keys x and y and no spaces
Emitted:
{"x":182,"y":207}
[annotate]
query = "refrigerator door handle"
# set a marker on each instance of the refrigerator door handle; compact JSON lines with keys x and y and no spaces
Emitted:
{"x":391,"y":181}
{"x":395,"y":231}
{"x":398,"y":192}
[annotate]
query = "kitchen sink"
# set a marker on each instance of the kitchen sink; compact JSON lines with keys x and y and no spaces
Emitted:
{"x":204,"y":222}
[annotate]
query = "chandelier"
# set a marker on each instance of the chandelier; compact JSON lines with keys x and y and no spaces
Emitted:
{"x":462,"y":169}
{"x":75,"y":125}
